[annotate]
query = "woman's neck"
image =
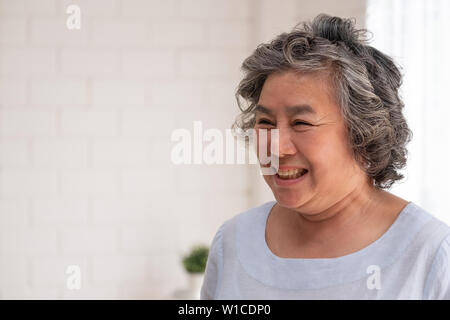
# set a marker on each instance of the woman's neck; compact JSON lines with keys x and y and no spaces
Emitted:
{"x":344,"y":227}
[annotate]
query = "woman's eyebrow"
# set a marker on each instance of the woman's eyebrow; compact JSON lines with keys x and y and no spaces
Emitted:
{"x":261,"y":109}
{"x":291,"y":110}
{"x":300,"y":109}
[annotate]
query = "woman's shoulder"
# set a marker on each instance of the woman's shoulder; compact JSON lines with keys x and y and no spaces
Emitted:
{"x":430,"y":221}
{"x":251,"y":216}
{"x":430,"y":231}
{"x":256,"y":213}
{"x":437,"y":242}
{"x":248,"y":222}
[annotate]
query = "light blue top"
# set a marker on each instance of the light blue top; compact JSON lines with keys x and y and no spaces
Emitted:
{"x":411,"y":260}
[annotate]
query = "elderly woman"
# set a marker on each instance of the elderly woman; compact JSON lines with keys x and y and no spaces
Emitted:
{"x":333,"y":232}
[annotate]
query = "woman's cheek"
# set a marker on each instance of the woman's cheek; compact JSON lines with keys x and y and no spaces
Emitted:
{"x":320,"y":156}
{"x":333,"y":162}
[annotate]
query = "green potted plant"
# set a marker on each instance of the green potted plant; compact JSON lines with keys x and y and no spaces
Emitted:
{"x":195,"y":264}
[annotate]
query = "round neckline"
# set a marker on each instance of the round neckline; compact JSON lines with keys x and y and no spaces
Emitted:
{"x":261,"y":264}
{"x":363,"y":251}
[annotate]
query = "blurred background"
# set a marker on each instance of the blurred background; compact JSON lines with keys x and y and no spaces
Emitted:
{"x":86,"y":117}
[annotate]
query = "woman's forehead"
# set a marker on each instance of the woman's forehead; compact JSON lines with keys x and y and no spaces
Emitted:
{"x":288,"y":92}
{"x":289,"y":110}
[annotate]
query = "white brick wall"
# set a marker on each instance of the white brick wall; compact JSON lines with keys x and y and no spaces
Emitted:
{"x":89,"y":182}
{"x":13,"y":91}
{"x":162,"y":9}
{"x":19,"y":241}
{"x":90,"y":123}
{"x":18,"y":182}
{"x":123,"y":93}
{"x":152,"y":63}
{"x":127,"y":210}
{"x":85,"y":123}
{"x":22,"y":61}
{"x":27,"y":7}
{"x":215,"y":10}
{"x":58,"y":92}
{"x":211,"y":63}
{"x":13,"y":31}
{"x":121,"y":152}
{"x":48,"y":31}
{"x":89,"y":240}
{"x":121,"y":33}
{"x":19,"y":122}
{"x":59,"y":153}
{"x":188,"y":34}
{"x":14,"y":152}
{"x":60,"y":211}
{"x":97,"y":8}
{"x":91,"y":62}
{"x":14,"y":212}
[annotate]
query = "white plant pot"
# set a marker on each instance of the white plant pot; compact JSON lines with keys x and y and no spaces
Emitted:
{"x":195,"y":281}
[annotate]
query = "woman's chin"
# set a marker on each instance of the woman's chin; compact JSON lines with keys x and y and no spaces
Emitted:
{"x":288,"y":201}
{"x":288,"y":197}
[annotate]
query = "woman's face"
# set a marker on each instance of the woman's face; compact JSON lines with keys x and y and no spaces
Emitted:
{"x":312,"y":136}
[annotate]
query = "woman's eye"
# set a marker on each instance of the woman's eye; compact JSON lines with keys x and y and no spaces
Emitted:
{"x":299,"y":123}
{"x":264,"y":121}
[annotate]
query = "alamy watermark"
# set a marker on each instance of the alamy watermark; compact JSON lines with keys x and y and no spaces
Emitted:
{"x":73,"y":21}
{"x":73,"y":281}
{"x":220,"y":148}
{"x":374,"y":280}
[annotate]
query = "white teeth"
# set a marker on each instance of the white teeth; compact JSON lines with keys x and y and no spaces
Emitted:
{"x":290,"y":174}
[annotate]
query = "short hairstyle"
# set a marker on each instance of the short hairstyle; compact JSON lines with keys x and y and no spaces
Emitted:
{"x":365,"y":81}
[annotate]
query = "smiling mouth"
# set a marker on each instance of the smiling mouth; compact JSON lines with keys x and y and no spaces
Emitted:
{"x":291,"y":174}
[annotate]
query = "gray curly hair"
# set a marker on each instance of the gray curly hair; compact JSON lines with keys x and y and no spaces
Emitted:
{"x":365,"y":80}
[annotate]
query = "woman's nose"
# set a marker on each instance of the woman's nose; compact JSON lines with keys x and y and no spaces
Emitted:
{"x":286,"y":146}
